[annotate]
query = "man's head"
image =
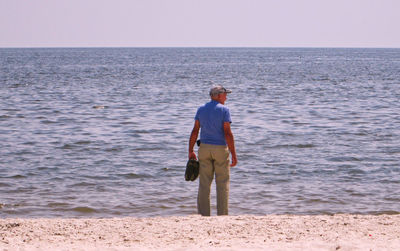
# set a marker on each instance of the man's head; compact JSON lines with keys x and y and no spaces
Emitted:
{"x":218,"y":93}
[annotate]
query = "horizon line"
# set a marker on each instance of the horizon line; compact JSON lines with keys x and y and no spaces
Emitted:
{"x":194,"y":47}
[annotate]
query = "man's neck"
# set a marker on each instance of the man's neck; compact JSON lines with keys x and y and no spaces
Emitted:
{"x":217,"y":100}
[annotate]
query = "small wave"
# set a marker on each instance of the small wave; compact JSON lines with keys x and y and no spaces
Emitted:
{"x":317,"y":201}
{"x":151,"y":131}
{"x":48,"y":122}
{"x":384,"y":212}
{"x":5,"y":184}
{"x":343,"y":159}
{"x":29,"y":143}
{"x":18,"y":176}
{"x":320,"y":78}
{"x":82,"y":184}
{"x":356,"y":171}
{"x":136,"y":176}
{"x":10,"y":206}
{"x":391,"y":150}
{"x":393,"y":199}
{"x":164,"y":207}
{"x":99,"y":107}
{"x":69,"y":146}
{"x":87,"y":210}
{"x":17,"y":85}
{"x":98,"y":177}
{"x":114,"y":149}
{"x":359,"y":194}
{"x":182,"y":77}
{"x":293,"y":146}
{"x":83,"y":142}
{"x":300,"y":123}
{"x":148,"y":149}
{"x":4,"y":117}
{"x":127,"y":123}
{"x":57,"y":204}
{"x":11,"y":110}
{"x":24,"y":152}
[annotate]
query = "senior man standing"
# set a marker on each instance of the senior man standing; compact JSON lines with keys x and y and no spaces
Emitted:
{"x":214,"y":120}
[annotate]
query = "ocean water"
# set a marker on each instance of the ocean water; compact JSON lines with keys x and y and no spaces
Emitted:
{"x":103,"y":132}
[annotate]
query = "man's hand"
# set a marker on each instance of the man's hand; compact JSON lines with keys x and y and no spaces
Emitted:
{"x":234,"y":161}
{"x":192,"y":155}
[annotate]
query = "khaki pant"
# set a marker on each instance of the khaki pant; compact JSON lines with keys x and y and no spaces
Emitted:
{"x":213,"y":159}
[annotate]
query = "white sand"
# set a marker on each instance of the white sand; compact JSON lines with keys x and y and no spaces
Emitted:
{"x":272,"y":232}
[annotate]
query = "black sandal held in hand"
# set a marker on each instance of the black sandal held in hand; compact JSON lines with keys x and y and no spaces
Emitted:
{"x":192,"y":170}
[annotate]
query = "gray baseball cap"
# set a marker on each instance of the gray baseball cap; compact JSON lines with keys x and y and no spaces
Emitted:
{"x":218,"y":89}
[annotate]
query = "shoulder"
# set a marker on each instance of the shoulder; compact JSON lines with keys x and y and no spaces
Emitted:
{"x":223,"y":107}
{"x":202,"y":107}
{"x":226,"y":114}
{"x":201,"y":110}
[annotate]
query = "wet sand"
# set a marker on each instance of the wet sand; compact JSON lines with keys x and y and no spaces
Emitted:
{"x":271,"y":232}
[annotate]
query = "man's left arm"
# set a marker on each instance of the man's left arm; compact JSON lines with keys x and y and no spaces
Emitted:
{"x":230,"y":141}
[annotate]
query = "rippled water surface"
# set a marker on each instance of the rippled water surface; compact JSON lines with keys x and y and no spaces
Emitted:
{"x":104,"y":132}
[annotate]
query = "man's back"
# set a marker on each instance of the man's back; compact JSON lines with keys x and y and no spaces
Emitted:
{"x":212,"y":116}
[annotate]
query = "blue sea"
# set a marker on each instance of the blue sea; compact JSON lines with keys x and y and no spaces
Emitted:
{"x":103,"y":132}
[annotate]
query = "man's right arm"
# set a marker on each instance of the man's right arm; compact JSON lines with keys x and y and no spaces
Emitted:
{"x":193,"y":139}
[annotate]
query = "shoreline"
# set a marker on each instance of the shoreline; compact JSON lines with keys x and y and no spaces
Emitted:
{"x":193,"y":232}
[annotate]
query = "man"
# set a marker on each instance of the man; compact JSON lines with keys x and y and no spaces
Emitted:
{"x":214,"y":119}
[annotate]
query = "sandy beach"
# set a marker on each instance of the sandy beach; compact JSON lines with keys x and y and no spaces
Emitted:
{"x":272,"y":232}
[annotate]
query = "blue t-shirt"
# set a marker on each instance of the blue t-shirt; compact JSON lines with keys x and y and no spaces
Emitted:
{"x":212,"y":116}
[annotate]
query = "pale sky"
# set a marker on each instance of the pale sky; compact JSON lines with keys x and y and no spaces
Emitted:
{"x":200,"y":23}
